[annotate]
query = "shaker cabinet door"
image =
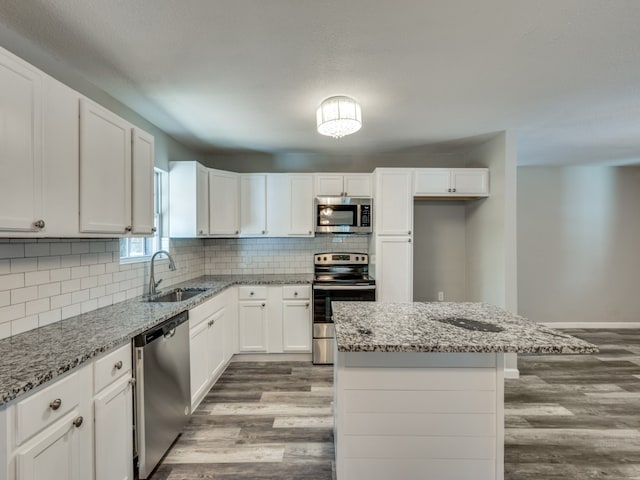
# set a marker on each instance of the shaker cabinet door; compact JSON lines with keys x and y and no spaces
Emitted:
{"x":142,"y":178}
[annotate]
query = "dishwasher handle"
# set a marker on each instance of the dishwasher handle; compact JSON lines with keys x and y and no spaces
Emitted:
{"x":166,"y":329}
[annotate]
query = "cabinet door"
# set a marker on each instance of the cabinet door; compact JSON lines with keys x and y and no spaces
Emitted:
{"x":57,"y":452}
{"x":432,"y":181}
{"x":20,"y":145}
{"x":199,"y":344}
{"x":114,"y":432}
{"x":217,"y":334}
{"x":142,"y":182}
{"x":105,"y":171}
{"x":394,"y":269}
{"x":470,"y":181}
{"x":224,"y":203}
{"x":278,"y":204}
{"x":329,"y":185}
{"x":253,"y":213}
{"x":301,"y":205}
{"x":357,"y":185}
{"x":393,"y":205}
{"x":252,"y":326}
{"x":202,"y":200}
{"x":296,"y":326}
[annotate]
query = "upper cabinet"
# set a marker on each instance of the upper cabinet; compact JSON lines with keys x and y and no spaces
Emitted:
{"x":253,"y":204}
{"x":142,"y":182}
{"x":451,"y":182}
{"x":188,"y":200}
{"x":393,"y":201}
{"x":224,"y":203}
{"x":105,"y":171}
{"x":301,"y":209}
{"x":351,"y":185}
{"x":20,"y":145}
{"x":289,"y":205}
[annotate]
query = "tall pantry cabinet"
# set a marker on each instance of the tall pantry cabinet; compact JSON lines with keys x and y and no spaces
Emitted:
{"x":391,"y":249}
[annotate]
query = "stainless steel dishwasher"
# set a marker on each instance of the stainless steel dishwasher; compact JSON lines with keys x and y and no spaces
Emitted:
{"x":163,"y":397}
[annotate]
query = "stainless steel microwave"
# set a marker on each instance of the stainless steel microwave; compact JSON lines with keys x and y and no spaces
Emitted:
{"x":344,"y":214}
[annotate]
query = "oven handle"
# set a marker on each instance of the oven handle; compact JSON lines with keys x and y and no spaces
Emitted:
{"x":344,"y":287}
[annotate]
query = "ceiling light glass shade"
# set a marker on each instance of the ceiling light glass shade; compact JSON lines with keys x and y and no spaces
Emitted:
{"x":338,"y":116}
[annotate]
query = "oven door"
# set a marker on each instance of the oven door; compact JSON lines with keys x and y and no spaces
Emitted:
{"x":323,"y":295}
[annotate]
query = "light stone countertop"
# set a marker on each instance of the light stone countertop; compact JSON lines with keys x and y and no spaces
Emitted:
{"x":419,"y":327}
{"x":35,"y":357}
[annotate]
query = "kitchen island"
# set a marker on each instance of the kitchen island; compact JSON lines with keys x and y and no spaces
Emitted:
{"x":419,"y":387}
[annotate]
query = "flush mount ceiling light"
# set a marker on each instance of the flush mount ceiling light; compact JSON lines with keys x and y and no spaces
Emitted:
{"x":338,"y":116}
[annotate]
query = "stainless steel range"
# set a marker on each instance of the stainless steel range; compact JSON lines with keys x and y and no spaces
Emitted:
{"x":337,"y":277}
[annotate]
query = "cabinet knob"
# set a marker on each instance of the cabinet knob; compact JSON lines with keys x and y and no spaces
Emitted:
{"x":118,"y":365}
{"x":78,"y":421}
{"x":251,"y":293}
{"x":295,"y":294}
{"x":264,"y":305}
{"x":310,"y":232}
{"x":55,"y":405}
{"x":128,"y":228}
{"x":237,"y":232}
{"x":454,"y":189}
{"x":264,"y":231}
{"x":132,"y":381}
{"x":409,"y":240}
{"x":201,"y":232}
{"x":39,"y":224}
{"x":307,"y":305}
{"x":154,"y":229}
{"x":409,"y":232}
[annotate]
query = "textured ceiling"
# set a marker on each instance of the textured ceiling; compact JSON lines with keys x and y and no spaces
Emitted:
{"x":249,"y":74}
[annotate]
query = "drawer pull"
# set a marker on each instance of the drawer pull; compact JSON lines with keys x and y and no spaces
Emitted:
{"x":78,"y":421}
{"x":118,"y":365}
{"x":55,"y":405}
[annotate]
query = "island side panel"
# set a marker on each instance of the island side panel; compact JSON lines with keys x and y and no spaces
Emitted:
{"x":419,"y":415}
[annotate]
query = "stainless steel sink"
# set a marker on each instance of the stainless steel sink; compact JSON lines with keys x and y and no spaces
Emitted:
{"x":176,"y":295}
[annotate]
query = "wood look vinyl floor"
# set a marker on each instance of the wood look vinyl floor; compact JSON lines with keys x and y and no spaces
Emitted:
{"x":567,"y":417}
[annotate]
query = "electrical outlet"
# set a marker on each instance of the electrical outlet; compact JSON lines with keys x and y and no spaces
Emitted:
{"x":441,"y":296}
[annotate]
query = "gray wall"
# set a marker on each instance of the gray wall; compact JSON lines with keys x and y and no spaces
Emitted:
{"x":578,"y":237}
{"x":439,"y":251}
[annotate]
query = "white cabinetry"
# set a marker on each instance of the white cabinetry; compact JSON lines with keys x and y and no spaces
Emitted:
{"x":289,"y":205}
{"x":296,"y":319}
{"x":252,"y":319}
{"x":210,"y":350}
{"x":253,"y":204}
{"x":105,"y":171}
{"x":142,"y":183}
{"x":394,"y":269}
{"x":224,"y":203}
{"x":20,"y":145}
{"x":53,"y":431}
{"x":351,"y":185}
{"x":188,"y":200}
{"x":113,"y":414}
{"x":393,"y":201}
{"x":451,"y":182}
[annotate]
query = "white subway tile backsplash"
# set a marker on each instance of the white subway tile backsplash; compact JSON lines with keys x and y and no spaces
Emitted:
{"x":11,"y":281}
{"x":88,"y":282}
{"x":79,"y":272}
{"x":61,"y":248}
{"x":80,"y":296}
{"x":5,"y":330}
{"x":71,"y":311}
{"x":37,"y":306}
{"x":12,"y":312}
{"x":60,"y":301}
{"x":60,"y":274}
{"x":26,"y":294}
{"x":24,"y":265}
{"x":80,"y":247}
{"x":25,"y":324}
{"x":49,"y":317}
{"x":36,"y":278}
{"x":49,"y":290}
{"x":70,"y":286}
{"x":5,"y":299}
{"x":89,"y":306}
{"x":11,"y":250}
{"x":36,"y":249}
{"x":5,"y":266}
{"x":70,"y":261}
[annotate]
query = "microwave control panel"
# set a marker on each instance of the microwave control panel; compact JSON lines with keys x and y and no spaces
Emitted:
{"x":365,"y":215}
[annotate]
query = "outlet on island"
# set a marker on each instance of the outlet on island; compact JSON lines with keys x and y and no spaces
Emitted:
{"x":441,"y":296}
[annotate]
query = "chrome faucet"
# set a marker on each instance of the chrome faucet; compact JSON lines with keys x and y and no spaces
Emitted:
{"x":152,"y":280}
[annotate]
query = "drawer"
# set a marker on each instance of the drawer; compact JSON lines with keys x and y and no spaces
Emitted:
{"x":41,"y":409}
{"x":296,"y":292}
{"x":252,"y":293}
{"x":204,"y":311}
{"x":111,"y":367}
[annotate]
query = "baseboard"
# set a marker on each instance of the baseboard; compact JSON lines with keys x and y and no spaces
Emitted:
{"x":271,"y":357}
{"x":511,"y":373}
{"x":587,"y":325}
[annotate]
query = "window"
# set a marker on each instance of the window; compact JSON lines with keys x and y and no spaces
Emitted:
{"x":139,"y":249}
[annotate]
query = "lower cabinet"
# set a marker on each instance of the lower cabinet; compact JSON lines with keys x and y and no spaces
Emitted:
{"x":252,"y":326}
{"x":113,"y":431}
{"x":296,"y":326}
{"x":394,"y":269}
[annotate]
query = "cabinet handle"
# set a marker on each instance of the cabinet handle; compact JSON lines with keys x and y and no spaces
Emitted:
{"x":118,"y":365}
{"x":154,"y":229}
{"x":78,"y":421}
{"x":128,"y":228}
{"x":449,"y":190}
{"x":39,"y":224}
{"x":55,"y":405}
{"x":454,"y":189}
{"x":264,"y":305}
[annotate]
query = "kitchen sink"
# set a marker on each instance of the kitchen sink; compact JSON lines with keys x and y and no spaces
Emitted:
{"x":176,"y":295}
{"x":468,"y":324}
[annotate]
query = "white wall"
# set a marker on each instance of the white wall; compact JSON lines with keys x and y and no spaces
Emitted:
{"x":578,"y":237}
{"x":491,"y":226}
{"x":439,"y":251}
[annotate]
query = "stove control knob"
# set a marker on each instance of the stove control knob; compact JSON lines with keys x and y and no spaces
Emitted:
{"x":325,"y":259}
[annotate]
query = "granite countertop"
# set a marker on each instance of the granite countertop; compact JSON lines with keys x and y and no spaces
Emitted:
{"x":33,"y":358}
{"x":423,"y":327}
